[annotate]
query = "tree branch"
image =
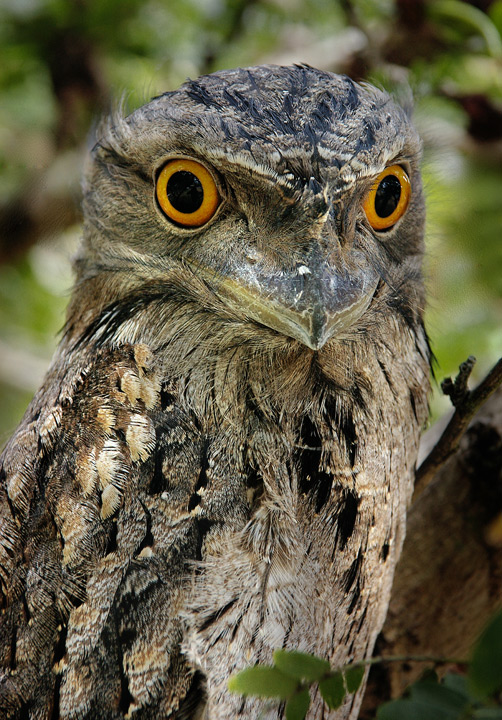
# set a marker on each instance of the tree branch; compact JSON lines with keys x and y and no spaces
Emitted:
{"x":467,"y":403}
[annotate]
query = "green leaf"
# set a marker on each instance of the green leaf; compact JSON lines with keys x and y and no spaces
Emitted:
{"x":300,"y":665}
{"x":438,"y":697}
{"x":263,"y":681}
{"x":411,"y":710}
{"x":428,"y":700}
{"x":354,"y":675}
{"x":297,"y":705}
{"x":485,"y":670}
{"x":492,"y":713}
{"x":408,"y":709}
{"x":333,"y":690}
{"x":456,"y":682}
{"x":401,"y":710}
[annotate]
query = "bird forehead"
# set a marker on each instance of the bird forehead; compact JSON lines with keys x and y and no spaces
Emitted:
{"x":283,"y":113}
{"x":284,"y":124}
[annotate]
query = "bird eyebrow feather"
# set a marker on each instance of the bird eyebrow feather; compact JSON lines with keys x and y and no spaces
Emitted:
{"x":241,"y":159}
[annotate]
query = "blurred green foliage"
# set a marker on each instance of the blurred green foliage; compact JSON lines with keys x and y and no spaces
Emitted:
{"x":64,"y":62}
{"x":473,"y":694}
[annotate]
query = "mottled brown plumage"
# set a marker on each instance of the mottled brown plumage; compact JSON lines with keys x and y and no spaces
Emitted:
{"x":220,"y":458}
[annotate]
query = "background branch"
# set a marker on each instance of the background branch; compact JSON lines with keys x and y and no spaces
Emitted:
{"x":467,"y":403}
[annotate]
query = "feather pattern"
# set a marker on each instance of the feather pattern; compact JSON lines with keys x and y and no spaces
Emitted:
{"x":191,"y":489}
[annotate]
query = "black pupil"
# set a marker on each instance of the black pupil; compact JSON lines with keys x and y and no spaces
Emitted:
{"x":387,"y":196}
{"x":185,"y":192}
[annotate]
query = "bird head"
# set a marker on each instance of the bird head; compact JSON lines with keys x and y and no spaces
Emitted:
{"x":284,"y":202}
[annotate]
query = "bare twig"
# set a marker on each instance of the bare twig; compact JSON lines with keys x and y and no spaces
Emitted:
{"x":467,"y":403}
{"x":458,"y":390}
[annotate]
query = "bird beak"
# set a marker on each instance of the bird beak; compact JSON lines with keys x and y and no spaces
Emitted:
{"x":312,"y":302}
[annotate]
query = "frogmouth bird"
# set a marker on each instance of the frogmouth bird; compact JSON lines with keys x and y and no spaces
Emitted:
{"x":220,"y":458}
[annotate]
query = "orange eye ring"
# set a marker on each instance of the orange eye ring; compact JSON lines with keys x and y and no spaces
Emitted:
{"x":187,"y":193}
{"x":388,"y":198}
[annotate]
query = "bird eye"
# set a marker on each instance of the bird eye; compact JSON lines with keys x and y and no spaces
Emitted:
{"x":187,"y":193}
{"x":388,"y":198}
